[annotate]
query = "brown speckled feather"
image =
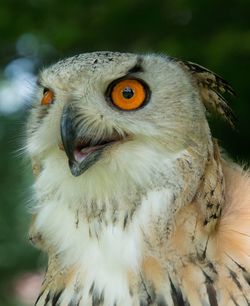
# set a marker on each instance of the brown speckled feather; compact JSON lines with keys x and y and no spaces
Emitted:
{"x":211,"y":87}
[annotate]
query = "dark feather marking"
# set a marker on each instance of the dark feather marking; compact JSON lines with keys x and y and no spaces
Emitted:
{"x":232,"y":298}
{"x":212,"y":268}
{"x":205,"y":249}
{"x":114,"y":216}
{"x":97,"y":299}
{"x":211,"y":295}
{"x":177,"y":295}
{"x":205,"y":222}
{"x":79,"y":301}
{"x":195,"y":227}
{"x":235,"y":279}
{"x":149,"y":297}
{"x":209,"y":205}
{"x":47,"y":298}
{"x":237,"y":264}
{"x":208,"y":279}
{"x":90,"y":233}
{"x":245,"y":274}
{"x":210,"y":289}
{"x":41,"y":113}
{"x":160,"y":301}
{"x":39,"y":296}
{"x":137,"y":67}
{"x":125,"y":221}
{"x":56,"y":297}
{"x":92,"y":288}
{"x":77,"y":218}
{"x":226,"y":109}
{"x":244,"y":234}
{"x":102,"y":297}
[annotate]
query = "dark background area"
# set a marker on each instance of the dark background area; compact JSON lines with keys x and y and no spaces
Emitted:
{"x":35,"y":33}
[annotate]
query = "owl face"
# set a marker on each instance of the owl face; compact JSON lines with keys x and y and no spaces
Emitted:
{"x":115,"y":111}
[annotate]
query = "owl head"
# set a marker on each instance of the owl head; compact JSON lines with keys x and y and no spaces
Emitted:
{"x":102,"y":116}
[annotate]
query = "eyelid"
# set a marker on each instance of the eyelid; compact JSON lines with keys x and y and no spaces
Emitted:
{"x":42,"y":85}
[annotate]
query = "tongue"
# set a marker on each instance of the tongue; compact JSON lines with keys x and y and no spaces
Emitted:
{"x":81,"y":154}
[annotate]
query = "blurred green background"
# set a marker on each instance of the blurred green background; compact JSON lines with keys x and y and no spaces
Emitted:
{"x":35,"y":33}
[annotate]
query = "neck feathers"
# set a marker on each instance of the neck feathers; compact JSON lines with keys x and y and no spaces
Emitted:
{"x":195,"y":251}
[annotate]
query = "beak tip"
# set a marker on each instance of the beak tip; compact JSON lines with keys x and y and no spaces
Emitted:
{"x":74,"y":168}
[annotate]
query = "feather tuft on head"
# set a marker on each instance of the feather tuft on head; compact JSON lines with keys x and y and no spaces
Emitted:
{"x":211,"y":87}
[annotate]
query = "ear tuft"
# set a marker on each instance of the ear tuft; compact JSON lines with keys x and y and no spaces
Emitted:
{"x":211,"y":87}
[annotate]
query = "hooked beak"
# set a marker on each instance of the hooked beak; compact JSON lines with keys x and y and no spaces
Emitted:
{"x":81,"y":151}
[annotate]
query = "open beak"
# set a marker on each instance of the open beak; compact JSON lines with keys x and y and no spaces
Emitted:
{"x":82,"y":153}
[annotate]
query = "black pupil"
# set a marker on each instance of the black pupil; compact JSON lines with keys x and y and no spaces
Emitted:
{"x":127,"y":93}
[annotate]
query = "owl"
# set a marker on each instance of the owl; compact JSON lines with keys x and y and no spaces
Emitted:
{"x":133,"y":202}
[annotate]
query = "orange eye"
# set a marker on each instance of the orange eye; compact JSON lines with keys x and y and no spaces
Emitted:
{"x":48,"y":97}
{"x":128,"y":94}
